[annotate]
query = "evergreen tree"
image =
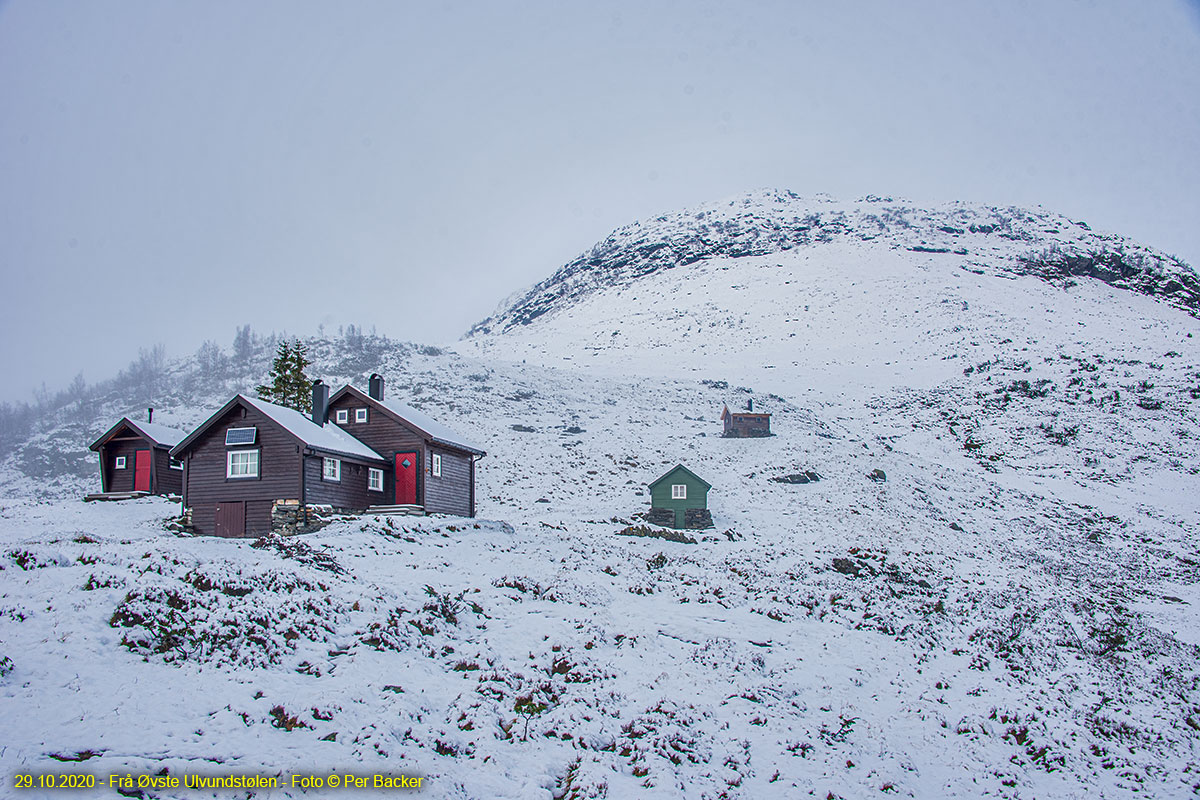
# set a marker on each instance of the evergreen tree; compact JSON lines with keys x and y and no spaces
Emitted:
{"x":288,"y":384}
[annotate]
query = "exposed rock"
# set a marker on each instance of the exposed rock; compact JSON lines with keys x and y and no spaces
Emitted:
{"x":808,"y":476}
{"x":846,"y":566}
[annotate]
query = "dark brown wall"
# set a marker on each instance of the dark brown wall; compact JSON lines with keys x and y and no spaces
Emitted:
{"x":451,"y":493}
{"x":166,"y":480}
{"x":740,"y":425}
{"x":385,"y":436}
{"x":121,"y":480}
{"x":350,"y":492}
{"x":278,"y":469}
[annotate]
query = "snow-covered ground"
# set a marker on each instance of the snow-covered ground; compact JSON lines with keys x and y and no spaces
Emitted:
{"x":1011,"y":613}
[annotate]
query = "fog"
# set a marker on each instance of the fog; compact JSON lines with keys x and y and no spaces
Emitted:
{"x":169,"y":171}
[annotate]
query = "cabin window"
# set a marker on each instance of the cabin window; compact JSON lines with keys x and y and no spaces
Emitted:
{"x":176,"y":464}
{"x":436,"y":466}
{"x":360,"y":415}
{"x":241,"y":464}
{"x":679,"y":491}
{"x":333,"y":469}
{"x":343,"y":416}
{"x":375,"y":479}
{"x":120,"y":463}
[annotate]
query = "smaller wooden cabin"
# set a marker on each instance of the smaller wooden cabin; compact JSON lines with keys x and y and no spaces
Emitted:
{"x":679,"y":499}
{"x":431,"y":466}
{"x":135,"y":459}
{"x":746,"y":424}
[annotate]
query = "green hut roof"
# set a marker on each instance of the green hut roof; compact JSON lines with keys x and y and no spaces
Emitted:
{"x":677,"y":468}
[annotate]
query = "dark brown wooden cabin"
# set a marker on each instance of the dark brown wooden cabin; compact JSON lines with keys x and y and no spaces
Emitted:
{"x":251,"y":456}
{"x":746,"y":424}
{"x":432,"y":466}
{"x":135,"y":458}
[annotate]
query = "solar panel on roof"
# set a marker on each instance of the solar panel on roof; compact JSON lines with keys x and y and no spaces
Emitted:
{"x":240,"y":436}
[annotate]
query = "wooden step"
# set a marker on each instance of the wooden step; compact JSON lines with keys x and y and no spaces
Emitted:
{"x":87,"y":498}
{"x":398,"y":510}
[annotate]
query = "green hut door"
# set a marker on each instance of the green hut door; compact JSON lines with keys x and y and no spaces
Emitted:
{"x":679,"y":517}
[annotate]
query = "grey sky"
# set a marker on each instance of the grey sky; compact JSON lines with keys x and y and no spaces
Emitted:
{"x":171,"y":170}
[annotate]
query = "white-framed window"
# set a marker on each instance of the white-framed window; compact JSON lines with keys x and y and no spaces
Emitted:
{"x":360,"y":415}
{"x":120,"y":463}
{"x":333,"y":469}
{"x":343,"y":416}
{"x":435,"y":465}
{"x":679,"y":491}
{"x":241,"y":464}
{"x":175,"y":464}
{"x":375,"y":479}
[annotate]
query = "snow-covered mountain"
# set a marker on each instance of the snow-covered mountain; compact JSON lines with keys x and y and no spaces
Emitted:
{"x":1013,"y":240}
{"x":1011,"y":613}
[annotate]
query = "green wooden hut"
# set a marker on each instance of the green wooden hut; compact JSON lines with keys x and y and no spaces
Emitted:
{"x":679,"y":499}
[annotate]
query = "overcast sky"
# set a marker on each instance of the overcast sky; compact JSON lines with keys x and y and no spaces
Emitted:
{"x":169,"y":171}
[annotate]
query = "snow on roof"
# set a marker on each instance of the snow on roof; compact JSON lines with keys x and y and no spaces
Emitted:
{"x":438,"y":431}
{"x":161,"y":434}
{"x":740,"y":412}
{"x":330,"y":437}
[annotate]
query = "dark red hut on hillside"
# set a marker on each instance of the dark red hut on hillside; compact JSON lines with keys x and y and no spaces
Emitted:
{"x":746,"y":424}
{"x":135,"y":460}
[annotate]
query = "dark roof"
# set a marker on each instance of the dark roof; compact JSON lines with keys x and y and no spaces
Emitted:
{"x":675,"y":469}
{"x":158,"y":435}
{"x":419,"y":421}
{"x":326,"y":438}
{"x":728,"y":413}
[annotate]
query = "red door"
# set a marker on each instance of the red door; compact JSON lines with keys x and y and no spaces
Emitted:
{"x":141,"y":471}
{"x":231,"y":518}
{"x":406,"y":479}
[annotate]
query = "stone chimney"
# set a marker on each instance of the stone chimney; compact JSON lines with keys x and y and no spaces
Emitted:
{"x":320,"y":402}
{"x":375,"y":386}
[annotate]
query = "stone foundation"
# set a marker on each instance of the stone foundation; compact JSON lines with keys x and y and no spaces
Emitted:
{"x":288,"y":517}
{"x":661,"y":516}
{"x":695,"y":519}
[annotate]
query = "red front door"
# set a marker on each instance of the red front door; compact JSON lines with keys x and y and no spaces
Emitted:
{"x":406,"y":479}
{"x":141,"y":471}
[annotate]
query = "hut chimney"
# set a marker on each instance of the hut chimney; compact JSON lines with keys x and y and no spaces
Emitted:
{"x":149,"y":415}
{"x":320,"y":402}
{"x":375,"y":386}
{"x":750,"y":404}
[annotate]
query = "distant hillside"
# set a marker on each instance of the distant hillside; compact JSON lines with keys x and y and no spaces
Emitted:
{"x":1013,"y":240}
{"x":47,"y":439}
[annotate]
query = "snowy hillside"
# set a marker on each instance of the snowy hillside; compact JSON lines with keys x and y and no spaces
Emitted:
{"x":1011,"y":613}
